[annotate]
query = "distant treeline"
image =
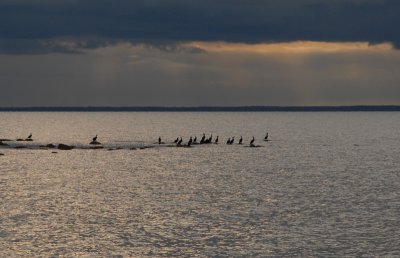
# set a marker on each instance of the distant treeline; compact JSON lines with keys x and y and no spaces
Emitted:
{"x":205,"y":109}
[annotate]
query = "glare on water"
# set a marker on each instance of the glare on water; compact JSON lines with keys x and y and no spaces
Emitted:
{"x":326,"y":184}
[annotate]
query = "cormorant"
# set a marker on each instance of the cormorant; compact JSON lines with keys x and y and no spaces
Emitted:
{"x":203,"y":138}
{"x":216,"y":140}
{"x":190,"y":141}
{"x":241,"y":140}
{"x":180,"y":141}
{"x":209,"y":140}
{"x":252,"y":142}
{"x":30,"y":136}
{"x":94,"y":138}
{"x":159,"y":140}
{"x":228,"y":141}
{"x":266,"y":137}
{"x":176,"y":140}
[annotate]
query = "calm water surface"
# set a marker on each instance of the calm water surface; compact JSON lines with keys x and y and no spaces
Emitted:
{"x":326,"y":185}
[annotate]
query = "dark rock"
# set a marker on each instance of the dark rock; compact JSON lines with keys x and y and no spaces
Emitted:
{"x":50,"y":145}
{"x":1,"y":154}
{"x":254,"y":146}
{"x":94,"y":143}
{"x":3,"y":144}
{"x":20,"y":140}
{"x":29,"y":140}
{"x":55,"y":152}
{"x":96,"y":147}
{"x":20,"y":147}
{"x":5,"y":140}
{"x":65,"y":147}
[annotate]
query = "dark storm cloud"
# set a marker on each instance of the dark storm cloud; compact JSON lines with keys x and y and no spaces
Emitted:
{"x":37,"y":26}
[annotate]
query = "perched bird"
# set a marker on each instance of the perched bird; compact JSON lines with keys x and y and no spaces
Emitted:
{"x":216,"y":140}
{"x":159,"y":140}
{"x":203,"y":138}
{"x":30,"y":136}
{"x":176,"y":140}
{"x":94,"y":138}
{"x":232,"y":140}
{"x":228,"y":141}
{"x":266,"y":137}
{"x":190,"y":141}
{"x":195,"y":139}
{"x":209,"y":140}
{"x":252,"y":142}
{"x":180,"y":141}
{"x":240,"y":140}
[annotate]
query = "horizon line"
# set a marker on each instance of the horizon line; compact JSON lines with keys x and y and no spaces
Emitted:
{"x":201,"y":108}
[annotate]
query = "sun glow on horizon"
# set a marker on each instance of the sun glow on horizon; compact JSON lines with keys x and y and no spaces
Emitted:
{"x":295,"y":47}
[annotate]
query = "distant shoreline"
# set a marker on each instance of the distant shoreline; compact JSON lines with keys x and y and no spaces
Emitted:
{"x":207,"y":109}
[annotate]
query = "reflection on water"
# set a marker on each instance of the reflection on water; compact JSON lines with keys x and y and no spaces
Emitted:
{"x":327,"y":184}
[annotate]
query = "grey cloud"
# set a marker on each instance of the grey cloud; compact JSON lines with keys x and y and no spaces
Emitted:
{"x":162,"y":23}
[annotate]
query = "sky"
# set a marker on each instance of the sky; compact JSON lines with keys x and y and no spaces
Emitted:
{"x":199,"y":52}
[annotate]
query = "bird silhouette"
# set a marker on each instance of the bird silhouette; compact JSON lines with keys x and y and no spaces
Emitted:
{"x":180,"y":141}
{"x":209,"y":140}
{"x":203,"y":138}
{"x":252,"y":142}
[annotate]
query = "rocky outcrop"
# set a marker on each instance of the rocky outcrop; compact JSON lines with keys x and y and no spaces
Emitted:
{"x":95,"y":143}
{"x":96,"y":147}
{"x":65,"y":147}
{"x":25,"y":140}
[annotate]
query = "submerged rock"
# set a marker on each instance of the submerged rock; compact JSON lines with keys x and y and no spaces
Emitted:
{"x":25,"y":140}
{"x":96,"y":147}
{"x":254,"y":146}
{"x":65,"y":147}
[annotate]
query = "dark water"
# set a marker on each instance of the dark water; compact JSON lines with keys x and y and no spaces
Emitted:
{"x":326,"y":185}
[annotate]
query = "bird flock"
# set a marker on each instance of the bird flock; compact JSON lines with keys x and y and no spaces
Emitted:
{"x":178,"y":142}
{"x":209,"y":140}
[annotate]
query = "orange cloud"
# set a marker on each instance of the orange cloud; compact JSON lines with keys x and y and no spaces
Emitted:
{"x":296,"y":47}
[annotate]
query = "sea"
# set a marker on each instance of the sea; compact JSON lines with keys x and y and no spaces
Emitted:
{"x":325,"y":184}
